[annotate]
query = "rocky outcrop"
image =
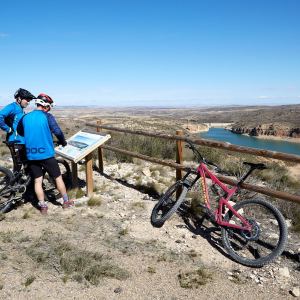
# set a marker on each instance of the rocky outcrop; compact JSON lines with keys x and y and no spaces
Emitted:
{"x":193,"y":128}
{"x":273,"y":129}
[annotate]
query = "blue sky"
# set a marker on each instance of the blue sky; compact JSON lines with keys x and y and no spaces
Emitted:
{"x":152,"y":53}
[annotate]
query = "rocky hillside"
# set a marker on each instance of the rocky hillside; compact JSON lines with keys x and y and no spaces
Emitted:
{"x":281,"y":121}
{"x":270,"y":129}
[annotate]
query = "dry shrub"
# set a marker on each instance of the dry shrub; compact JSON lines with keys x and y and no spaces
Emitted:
{"x":52,"y":251}
{"x":94,"y":201}
{"x":195,"y":279}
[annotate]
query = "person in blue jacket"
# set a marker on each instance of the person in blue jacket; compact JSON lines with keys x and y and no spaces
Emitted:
{"x":37,"y":128}
{"x":10,"y":116}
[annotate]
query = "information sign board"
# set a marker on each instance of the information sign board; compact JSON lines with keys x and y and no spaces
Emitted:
{"x":81,"y":144}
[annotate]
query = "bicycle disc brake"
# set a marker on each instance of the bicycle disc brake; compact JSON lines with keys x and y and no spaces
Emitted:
{"x":252,"y":235}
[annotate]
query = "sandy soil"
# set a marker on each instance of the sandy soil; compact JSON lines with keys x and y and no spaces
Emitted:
{"x":277,"y":138}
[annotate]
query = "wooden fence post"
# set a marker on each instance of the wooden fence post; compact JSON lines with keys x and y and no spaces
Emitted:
{"x":100,"y":152}
{"x":89,"y":174}
{"x":179,"y":160}
{"x":74,"y":174}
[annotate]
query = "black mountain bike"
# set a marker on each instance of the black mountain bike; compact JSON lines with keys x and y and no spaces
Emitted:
{"x":15,"y":184}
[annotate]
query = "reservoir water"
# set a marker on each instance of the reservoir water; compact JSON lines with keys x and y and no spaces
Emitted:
{"x":223,"y":135}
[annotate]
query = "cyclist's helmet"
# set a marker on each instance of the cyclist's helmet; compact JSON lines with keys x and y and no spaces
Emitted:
{"x":44,"y":100}
{"x":24,"y":94}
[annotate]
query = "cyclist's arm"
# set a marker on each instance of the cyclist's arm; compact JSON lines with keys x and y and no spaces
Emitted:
{"x":7,"y":111}
{"x":55,"y":129}
{"x":20,"y":127}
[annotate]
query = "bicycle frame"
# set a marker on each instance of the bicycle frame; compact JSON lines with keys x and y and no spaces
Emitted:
{"x":203,"y":172}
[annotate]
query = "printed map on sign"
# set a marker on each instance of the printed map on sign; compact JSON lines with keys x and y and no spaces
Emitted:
{"x":81,"y":144}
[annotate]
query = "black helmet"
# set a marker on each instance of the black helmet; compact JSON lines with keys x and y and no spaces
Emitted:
{"x":24,"y":94}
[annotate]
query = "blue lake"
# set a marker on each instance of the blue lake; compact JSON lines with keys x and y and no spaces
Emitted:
{"x":220,"y":134}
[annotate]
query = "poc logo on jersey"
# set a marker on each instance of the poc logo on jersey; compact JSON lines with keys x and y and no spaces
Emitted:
{"x":35,"y":150}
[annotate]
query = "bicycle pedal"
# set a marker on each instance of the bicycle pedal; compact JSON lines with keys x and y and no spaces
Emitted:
{"x":209,"y":214}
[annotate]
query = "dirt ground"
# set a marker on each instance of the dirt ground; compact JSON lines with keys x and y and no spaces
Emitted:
{"x":111,"y":251}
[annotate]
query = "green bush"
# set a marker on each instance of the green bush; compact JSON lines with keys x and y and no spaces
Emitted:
{"x":154,"y":147}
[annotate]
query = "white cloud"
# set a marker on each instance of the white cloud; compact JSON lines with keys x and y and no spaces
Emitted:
{"x":277,"y":97}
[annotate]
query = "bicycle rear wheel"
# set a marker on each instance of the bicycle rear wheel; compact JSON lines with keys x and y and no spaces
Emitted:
{"x":268,"y":236}
{"x":168,"y":204}
{"x":5,"y":195}
{"x":65,"y":171}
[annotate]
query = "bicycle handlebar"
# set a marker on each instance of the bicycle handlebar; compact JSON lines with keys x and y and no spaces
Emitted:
{"x":191,"y":146}
{"x":252,"y":166}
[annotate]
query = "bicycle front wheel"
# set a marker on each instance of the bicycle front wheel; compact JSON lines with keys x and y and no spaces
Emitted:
{"x":167,"y":205}
{"x":268,"y":236}
{"x":5,"y":195}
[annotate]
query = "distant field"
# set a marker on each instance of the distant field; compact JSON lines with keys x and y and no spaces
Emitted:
{"x":170,"y":119}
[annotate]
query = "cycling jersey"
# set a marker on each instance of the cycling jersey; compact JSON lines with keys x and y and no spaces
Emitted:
{"x":10,"y":116}
{"x":37,"y":128}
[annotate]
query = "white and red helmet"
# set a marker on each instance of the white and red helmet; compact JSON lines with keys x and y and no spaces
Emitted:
{"x":44,"y":100}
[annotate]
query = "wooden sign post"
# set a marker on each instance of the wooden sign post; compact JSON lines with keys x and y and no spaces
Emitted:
{"x":100,"y":152}
{"x":81,"y":146}
{"x":179,"y":160}
{"x":74,"y":174}
{"x":89,"y":174}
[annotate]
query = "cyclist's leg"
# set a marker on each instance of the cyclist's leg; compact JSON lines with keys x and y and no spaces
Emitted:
{"x":62,"y":189}
{"x":51,"y":166}
{"x":38,"y":188}
{"x":37,"y":174}
{"x":20,"y":156}
{"x":60,"y":185}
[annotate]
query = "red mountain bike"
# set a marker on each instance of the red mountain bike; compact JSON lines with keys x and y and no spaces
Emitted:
{"x":254,"y":232}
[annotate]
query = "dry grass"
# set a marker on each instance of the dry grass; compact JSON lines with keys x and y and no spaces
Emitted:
{"x":9,"y":236}
{"x":94,"y":201}
{"x":124,"y":231}
{"x":138,"y":205}
{"x":29,"y":280}
{"x":195,"y":279}
{"x":76,"y":193}
{"x":2,"y":217}
{"x":151,"y":270}
{"x":26,"y":215}
{"x":52,"y":251}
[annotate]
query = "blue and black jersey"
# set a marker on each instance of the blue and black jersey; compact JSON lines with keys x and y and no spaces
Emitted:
{"x":10,"y":116}
{"x":37,"y":128}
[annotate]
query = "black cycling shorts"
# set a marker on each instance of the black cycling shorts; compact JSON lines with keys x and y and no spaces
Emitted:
{"x":50,"y":165}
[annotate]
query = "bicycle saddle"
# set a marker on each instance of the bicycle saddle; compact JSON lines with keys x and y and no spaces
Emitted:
{"x":255,"y":166}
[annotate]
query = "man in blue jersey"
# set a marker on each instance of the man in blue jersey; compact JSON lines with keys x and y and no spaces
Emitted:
{"x":37,"y":128}
{"x":10,"y":116}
